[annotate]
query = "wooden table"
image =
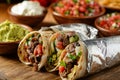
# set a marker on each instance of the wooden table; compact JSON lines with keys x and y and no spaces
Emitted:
{"x":13,"y":69}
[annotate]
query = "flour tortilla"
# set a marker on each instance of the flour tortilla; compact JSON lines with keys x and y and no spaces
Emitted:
{"x":79,"y":70}
{"x":51,"y":40}
{"x":22,"y":52}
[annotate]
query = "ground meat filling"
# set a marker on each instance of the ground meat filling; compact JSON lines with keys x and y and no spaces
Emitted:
{"x":70,"y":59}
{"x":31,"y":43}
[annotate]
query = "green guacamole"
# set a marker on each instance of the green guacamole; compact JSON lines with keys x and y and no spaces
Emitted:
{"x":10,"y":32}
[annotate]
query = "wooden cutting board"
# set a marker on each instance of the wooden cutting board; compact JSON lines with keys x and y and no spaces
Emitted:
{"x":15,"y":70}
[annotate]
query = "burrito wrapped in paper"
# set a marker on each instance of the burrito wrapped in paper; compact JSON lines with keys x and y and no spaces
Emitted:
{"x":95,"y":55}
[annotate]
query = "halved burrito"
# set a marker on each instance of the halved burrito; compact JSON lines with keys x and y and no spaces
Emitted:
{"x":72,"y":62}
{"x":58,"y":42}
{"x":34,"y":49}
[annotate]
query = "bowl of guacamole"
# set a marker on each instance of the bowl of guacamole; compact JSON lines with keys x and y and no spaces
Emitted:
{"x":10,"y":36}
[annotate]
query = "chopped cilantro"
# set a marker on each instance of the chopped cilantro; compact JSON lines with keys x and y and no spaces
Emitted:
{"x":73,"y":57}
{"x":75,"y":1}
{"x":67,"y":12}
{"x":88,"y":1}
{"x":79,"y":53}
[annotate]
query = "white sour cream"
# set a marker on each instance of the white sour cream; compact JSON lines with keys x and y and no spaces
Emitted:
{"x":28,"y":8}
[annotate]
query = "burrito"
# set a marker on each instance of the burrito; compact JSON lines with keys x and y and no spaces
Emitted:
{"x":73,"y":61}
{"x":34,"y":50}
{"x":80,"y":59}
{"x":58,"y":42}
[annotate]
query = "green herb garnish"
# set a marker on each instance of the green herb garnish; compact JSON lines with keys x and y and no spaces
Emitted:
{"x":62,"y":63}
{"x":27,"y":41}
{"x":90,"y":9}
{"x":79,"y":53}
{"x":88,"y":1}
{"x":60,"y":4}
{"x":117,"y":21}
{"x":73,"y":57}
{"x":50,"y":60}
{"x":67,"y":12}
{"x":75,"y":1}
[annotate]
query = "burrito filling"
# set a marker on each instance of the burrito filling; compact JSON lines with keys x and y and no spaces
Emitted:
{"x":61,"y":41}
{"x":33,"y":47}
{"x":70,"y":59}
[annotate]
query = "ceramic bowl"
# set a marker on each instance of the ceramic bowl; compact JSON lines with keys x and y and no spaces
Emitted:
{"x":11,"y":47}
{"x":27,"y":20}
{"x":62,"y":19}
{"x":105,"y":32}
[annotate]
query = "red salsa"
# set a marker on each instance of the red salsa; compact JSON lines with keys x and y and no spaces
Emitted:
{"x":110,"y":21}
{"x":77,"y":8}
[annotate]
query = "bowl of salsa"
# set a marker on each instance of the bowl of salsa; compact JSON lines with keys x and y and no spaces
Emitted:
{"x":72,"y":11}
{"x":109,"y":24}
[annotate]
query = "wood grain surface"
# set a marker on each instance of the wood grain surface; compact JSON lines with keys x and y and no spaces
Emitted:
{"x":13,"y":69}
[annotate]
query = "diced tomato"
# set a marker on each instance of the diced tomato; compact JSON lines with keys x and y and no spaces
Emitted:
{"x":102,"y":23}
{"x":66,"y":8}
{"x":71,"y":12}
{"x":95,"y":4}
{"x":81,"y":14}
{"x":97,"y":9}
{"x":38,"y":50}
{"x":82,"y":9}
{"x":59,"y":45}
{"x":61,"y":69}
{"x":116,"y":17}
{"x":111,"y":21}
{"x":57,"y":8}
{"x":106,"y":26}
{"x":119,"y":24}
{"x":75,"y":7}
{"x":62,"y":10}
{"x":113,"y":18}
{"x":82,"y":2}
{"x":35,"y":52}
{"x":25,"y":46}
{"x":71,"y":2}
